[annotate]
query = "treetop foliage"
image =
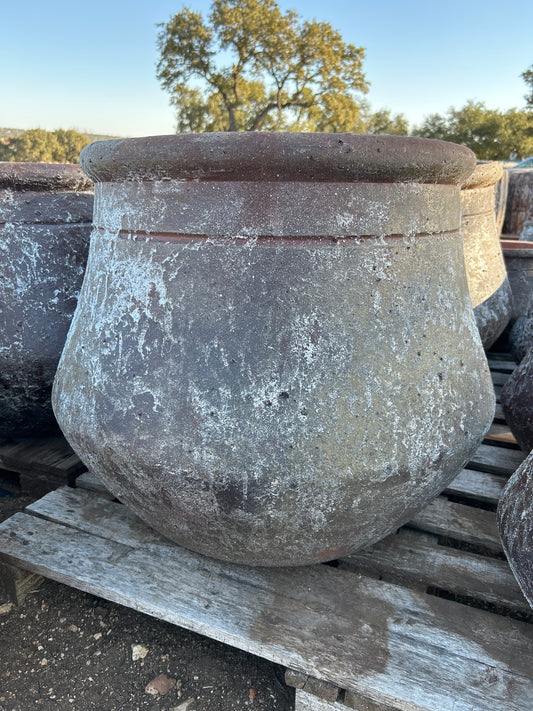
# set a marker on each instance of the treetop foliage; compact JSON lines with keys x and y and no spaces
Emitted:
{"x":490,"y":133}
{"x":527,"y":76}
{"x":281,"y":72}
{"x":40,"y":146}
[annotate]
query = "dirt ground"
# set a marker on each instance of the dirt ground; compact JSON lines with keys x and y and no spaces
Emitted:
{"x":65,"y":649}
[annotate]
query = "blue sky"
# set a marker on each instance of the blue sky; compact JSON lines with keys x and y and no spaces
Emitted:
{"x":91,"y":66}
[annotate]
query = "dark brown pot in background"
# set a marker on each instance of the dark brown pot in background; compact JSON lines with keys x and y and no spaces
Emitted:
{"x":518,"y":256}
{"x":515,"y":522}
{"x":517,"y":402}
{"x":489,"y":287}
{"x":274,"y":358}
{"x":45,"y":224}
{"x":519,"y":209}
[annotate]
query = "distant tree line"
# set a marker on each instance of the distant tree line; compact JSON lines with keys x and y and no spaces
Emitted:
{"x":40,"y":146}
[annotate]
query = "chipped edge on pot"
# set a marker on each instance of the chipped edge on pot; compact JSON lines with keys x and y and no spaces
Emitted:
{"x":321,"y":157}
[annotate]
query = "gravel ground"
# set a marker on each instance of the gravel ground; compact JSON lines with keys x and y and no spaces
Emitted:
{"x":65,"y":649}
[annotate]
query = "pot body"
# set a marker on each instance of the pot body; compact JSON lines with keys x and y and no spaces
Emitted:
{"x":517,"y":402}
{"x":45,"y":224}
{"x":515,"y":523}
{"x":488,"y":284}
{"x":274,"y":371}
{"x":519,"y":209}
{"x":518,"y":256}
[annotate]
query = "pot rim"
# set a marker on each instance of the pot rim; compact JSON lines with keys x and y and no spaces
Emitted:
{"x":486,"y":173}
{"x":276,"y":156}
{"x":47,"y":177}
{"x":517,"y":248}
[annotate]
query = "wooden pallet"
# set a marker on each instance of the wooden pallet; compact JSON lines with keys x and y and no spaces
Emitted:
{"x":41,"y":463}
{"x":429,"y":619}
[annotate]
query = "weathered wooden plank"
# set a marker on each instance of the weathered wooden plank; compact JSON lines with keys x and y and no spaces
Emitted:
{"x":499,"y":378}
{"x":481,"y":486}
{"x":45,"y":455}
{"x":16,"y":583}
{"x":458,"y":521}
{"x":384,"y":642}
{"x":501,"y":433}
{"x":501,"y":365}
{"x":415,"y":559}
{"x":304,"y":701}
{"x":498,"y":460}
{"x":91,"y":482}
{"x":97,"y":514}
{"x":498,"y":413}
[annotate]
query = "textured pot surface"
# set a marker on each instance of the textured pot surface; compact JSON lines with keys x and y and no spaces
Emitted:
{"x":517,"y":402}
{"x":489,"y":287}
{"x":45,"y":224}
{"x":273,"y":360}
{"x":521,"y":334}
{"x":515,"y":523}
{"x":519,"y":209}
{"x":518,"y":256}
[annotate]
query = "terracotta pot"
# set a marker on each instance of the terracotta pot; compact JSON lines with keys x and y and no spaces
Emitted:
{"x":489,"y":287}
{"x":45,"y":224}
{"x":517,"y":402}
{"x":515,"y":522}
{"x":518,"y":256}
{"x":274,"y":359}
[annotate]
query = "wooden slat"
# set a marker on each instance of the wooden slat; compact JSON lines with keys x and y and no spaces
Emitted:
{"x":45,"y":455}
{"x":501,"y":365}
{"x":481,"y":486}
{"x":498,"y":413}
{"x":412,"y":558}
{"x":91,"y":482}
{"x":499,"y":378}
{"x":501,"y":433}
{"x":382,"y":641}
{"x":497,"y":460}
{"x":463,"y":523}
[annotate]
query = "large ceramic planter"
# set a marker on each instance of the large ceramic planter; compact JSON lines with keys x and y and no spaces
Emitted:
{"x":489,"y":287}
{"x":519,"y":208}
{"x":274,"y":359}
{"x":518,"y":256}
{"x":517,"y":402}
{"x":45,"y":224}
{"x":515,"y":522}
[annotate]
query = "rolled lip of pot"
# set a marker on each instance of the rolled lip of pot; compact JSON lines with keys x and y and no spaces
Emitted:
{"x":308,"y":157}
{"x":49,"y":177}
{"x":485,"y":174}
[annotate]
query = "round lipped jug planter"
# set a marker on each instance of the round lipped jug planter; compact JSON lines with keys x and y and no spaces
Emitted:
{"x":274,"y":359}
{"x":45,"y":225}
{"x":489,"y":286}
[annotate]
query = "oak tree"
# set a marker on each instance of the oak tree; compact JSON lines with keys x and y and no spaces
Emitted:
{"x":249,"y":66}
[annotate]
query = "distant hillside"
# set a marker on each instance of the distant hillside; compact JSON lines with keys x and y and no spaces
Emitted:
{"x":13,"y":132}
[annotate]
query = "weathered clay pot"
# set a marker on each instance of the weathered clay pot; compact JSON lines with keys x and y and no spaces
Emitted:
{"x":489,"y":287}
{"x":45,"y":224}
{"x":521,"y":335}
{"x":518,"y":256}
{"x":274,"y":359}
{"x":519,"y":209}
{"x":517,"y":402}
{"x":515,"y":522}
{"x":501,"y":190}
